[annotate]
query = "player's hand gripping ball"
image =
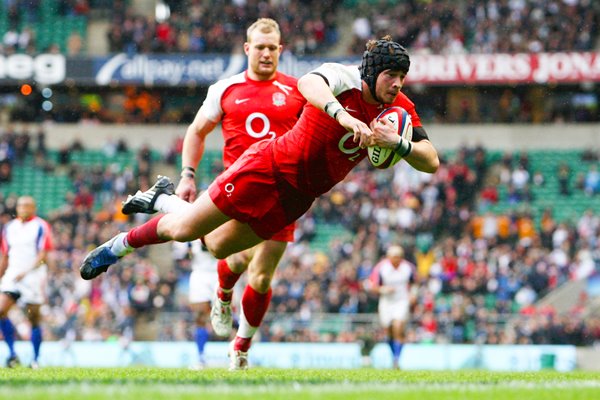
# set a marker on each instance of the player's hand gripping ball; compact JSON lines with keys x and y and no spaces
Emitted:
{"x":385,"y":157}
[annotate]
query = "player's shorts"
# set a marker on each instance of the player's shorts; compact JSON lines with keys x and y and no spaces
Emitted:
{"x":286,"y":234}
{"x":393,"y":311}
{"x":252,"y":191}
{"x":202,"y":286}
{"x":29,"y":290}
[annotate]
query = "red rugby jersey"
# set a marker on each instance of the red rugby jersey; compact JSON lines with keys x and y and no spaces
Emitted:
{"x":318,"y":152}
{"x":251,"y":110}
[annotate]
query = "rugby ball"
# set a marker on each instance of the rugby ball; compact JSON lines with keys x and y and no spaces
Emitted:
{"x":384,"y":157}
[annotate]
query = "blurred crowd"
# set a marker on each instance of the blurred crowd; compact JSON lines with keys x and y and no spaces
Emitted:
{"x":478,"y":273}
{"x":484,"y":26}
{"x":314,"y":27}
{"x":196,"y":26}
{"x":21,"y":19}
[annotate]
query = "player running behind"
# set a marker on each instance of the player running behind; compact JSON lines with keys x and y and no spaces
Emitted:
{"x":202,"y":285}
{"x":259,"y":103}
{"x":390,"y":280}
{"x":26,"y":241}
{"x":276,"y":181}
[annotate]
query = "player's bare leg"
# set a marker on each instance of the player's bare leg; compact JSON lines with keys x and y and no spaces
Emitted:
{"x":34,"y":315}
{"x":194,"y":222}
{"x":256,"y":299}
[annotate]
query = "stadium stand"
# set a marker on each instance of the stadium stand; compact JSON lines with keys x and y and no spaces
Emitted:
{"x":450,"y":27}
{"x":489,"y":238}
{"x":216,"y":27}
{"x":43,"y":26}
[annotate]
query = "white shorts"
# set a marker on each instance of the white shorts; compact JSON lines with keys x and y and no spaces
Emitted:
{"x":31,"y":289}
{"x":202,"y":286}
{"x":393,"y":311}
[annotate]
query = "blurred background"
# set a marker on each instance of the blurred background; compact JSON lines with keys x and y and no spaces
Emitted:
{"x":95,"y":97}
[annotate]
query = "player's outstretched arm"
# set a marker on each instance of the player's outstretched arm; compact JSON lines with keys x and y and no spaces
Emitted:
{"x":193,"y":149}
{"x":316,"y":91}
{"x":423,"y":157}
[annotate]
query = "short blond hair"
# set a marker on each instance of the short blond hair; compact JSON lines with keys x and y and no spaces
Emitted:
{"x":266,"y":25}
{"x":395,"y":251}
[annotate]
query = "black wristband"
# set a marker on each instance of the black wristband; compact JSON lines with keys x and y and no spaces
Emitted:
{"x":403,"y":148}
{"x":333,"y":109}
{"x":188,"y":174}
{"x":408,"y":150}
{"x":186,"y":168}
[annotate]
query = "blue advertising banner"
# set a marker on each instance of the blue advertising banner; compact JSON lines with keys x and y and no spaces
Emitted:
{"x":204,"y":69}
{"x":181,"y":70}
{"x":303,"y":355}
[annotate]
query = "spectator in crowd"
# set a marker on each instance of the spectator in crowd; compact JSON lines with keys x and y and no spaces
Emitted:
{"x":591,"y":184}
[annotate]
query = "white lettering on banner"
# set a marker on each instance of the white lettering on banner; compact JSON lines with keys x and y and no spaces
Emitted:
{"x":567,"y":67}
{"x":46,"y":69}
{"x":203,"y":68}
{"x":141,"y":67}
{"x":464,"y":68}
{"x":425,"y":68}
{"x":153,"y":70}
{"x":470,"y":68}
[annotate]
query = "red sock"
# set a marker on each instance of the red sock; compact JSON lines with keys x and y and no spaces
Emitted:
{"x":145,"y":234}
{"x":227,"y":280}
{"x":242,"y":344}
{"x":255,"y":305}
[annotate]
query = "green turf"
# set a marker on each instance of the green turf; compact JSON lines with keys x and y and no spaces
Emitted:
{"x":158,"y":384}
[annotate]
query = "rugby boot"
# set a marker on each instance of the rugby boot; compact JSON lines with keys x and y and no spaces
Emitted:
{"x":143,"y":202}
{"x":99,"y":259}
{"x":238,"y":360}
{"x":220,"y":317}
{"x":13,"y":362}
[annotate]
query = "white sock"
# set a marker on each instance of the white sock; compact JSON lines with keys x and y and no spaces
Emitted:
{"x":170,"y":203}
{"x":120,"y":247}
{"x":244,"y":329}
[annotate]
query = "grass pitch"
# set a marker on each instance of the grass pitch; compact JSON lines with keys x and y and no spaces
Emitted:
{"x":267,"y":384}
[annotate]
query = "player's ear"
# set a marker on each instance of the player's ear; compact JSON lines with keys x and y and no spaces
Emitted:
{"x":246,"y":47}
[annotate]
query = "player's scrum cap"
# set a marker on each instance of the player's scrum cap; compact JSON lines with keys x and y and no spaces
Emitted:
{"x":381,"y":55}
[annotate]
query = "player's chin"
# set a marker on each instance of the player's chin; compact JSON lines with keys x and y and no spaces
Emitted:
{"x":267,"y":69}
{"x":388,"y":98}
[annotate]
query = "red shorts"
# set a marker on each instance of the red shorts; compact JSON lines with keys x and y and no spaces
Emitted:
{"x":252,"y":191}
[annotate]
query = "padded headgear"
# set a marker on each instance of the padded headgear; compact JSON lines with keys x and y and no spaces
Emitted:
{"x":383,"y":54}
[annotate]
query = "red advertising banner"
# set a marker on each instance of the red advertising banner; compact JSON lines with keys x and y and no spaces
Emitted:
{"x":504,"y":69}
{"x":180,"y":70}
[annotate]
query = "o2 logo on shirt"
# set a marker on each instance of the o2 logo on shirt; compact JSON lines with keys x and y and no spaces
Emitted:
{"x":354,"y":151}
{"x":265,"y":132}
{"x":229,"y":188}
